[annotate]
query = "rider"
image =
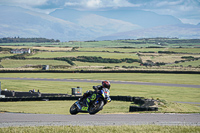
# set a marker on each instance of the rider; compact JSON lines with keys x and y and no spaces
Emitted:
{"x":92,"y":94}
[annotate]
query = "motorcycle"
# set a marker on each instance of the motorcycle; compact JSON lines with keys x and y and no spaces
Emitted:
{"x":95,"y":106}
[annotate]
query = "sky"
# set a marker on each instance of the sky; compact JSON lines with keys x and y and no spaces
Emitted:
{"x":188,"y":11}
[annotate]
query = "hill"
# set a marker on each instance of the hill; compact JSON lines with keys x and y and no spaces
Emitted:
{"x":70,"y":24}
{"x":183,"y":31}
{"x":141,"y":18}
{"x":21,"y":22}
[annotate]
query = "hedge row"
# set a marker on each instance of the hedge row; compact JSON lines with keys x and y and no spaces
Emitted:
{"x":96,"y":59}
{"x":99,"y":71}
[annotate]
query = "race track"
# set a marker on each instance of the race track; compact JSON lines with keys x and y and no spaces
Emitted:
{"x":112,"y":81}
{"x":18,"y":119}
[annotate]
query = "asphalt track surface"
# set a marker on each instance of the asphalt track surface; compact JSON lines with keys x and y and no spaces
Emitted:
{"x":112,"y":81}
{"x":17,"y":119}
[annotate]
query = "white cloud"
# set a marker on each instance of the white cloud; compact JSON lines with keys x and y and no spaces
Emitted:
{"x":32,"y":2}
{"x":96,"y":4}
{"x":72,"y":4}
{"x":182,"y":9}
{"x":168,"y":3}
{"x":190,"y":21}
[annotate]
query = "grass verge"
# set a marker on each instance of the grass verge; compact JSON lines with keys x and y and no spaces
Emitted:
{"x":62,"y":107}
{"x":103,"y":129}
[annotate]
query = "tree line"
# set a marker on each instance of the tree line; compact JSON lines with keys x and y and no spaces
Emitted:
{"x":25,"y":40}
{"x":161,"y":41}
{"x":95,"y":59}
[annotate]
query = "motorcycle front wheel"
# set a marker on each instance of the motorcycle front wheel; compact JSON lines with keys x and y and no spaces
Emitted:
{"x":73,"y":110}
{"x":95,"y":108}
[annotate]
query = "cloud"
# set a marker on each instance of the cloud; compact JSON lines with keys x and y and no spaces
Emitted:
{"x":182,"y":9}
{"x":93,"y":3}
{"x":168,"y":3}
{"x":97,"y":4}
{"x":185,"y":10}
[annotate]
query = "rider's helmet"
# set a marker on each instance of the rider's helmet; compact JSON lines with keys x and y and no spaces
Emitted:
{"x":106,"y":84}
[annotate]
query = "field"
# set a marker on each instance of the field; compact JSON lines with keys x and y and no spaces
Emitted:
{"x":142,"y":49}
{"x":166,"y":58}
{"x":26,"y":63}
{"x":149,"y":54}
{"x":75,"y":54}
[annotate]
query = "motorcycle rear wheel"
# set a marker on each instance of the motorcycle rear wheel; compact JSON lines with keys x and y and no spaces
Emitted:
{"x":95,"y":108}
{"x":73,"y":110}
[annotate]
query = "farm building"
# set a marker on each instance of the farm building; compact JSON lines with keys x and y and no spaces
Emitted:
{"x":21,"y":51}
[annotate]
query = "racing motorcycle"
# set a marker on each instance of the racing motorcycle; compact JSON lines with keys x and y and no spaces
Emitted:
{"x":102,"y":97}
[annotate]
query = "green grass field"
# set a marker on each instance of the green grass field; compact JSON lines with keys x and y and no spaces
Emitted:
{"x":192,"y":79}
{"x":122,"y":49}
{"x":5,"y":55}
{"x":22,"y":63}
{"x":185,"y":50}
{"x":103,"y":129}
{"x":195,"y":63}
{"x":88,"y":64}
{"x":75,"y":54}
{"x":117,"y":49}
{"x":181,"y":50}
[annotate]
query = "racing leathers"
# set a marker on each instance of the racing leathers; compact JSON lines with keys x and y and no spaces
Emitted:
{"x":91,"y":96}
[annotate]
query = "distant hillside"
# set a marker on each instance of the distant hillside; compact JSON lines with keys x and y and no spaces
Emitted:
{"x":143,"y":19}
{"x":17,"y":21}
{"x":180,"y":31}
{"x":99,"y":24}
{"x":70,"y":24}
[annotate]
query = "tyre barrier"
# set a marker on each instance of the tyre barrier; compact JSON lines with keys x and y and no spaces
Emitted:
{"x":137,"y":108}
{"x":122,"y":98}
{"x":143,"y":103}
{"x":139,"y":100}
{"x":15,"y":99}
{"x":31,"y":94}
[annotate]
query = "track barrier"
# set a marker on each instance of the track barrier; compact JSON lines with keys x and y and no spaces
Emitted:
{"x":11,"y":96}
